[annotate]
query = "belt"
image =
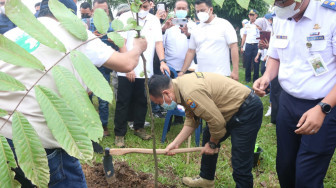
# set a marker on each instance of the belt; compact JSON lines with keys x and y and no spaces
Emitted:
{"x":252,"y":43}
{"x":248,"y":99}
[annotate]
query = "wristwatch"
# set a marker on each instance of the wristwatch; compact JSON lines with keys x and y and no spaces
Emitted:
{"x":326,"y":108}
{"x":164,"y":60}
{"x":213,"y":145}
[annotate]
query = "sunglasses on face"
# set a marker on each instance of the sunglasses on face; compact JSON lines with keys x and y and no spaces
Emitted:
{"x":2,"y":3}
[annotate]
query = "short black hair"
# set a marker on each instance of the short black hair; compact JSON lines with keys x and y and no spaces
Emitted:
{"x":37,"y":4}
{"x":158,"y":83}
{"x":207,"y":2}
{"x":99,"y":2}
{"x":86,"y":5}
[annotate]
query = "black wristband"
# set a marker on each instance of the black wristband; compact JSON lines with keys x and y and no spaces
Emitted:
{"x":164,"y":60}
{"x":188,"y":37}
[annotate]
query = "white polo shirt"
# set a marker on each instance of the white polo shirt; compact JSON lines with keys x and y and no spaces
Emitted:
{"x":176,"y":46}
{"x":252,"y":33}
{"x":152,"y":32}
{"x":289,"y":46}
{"x":97,"y":51}
{"x":211,"y":42}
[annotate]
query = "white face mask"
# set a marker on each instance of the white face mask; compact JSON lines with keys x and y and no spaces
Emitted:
{"x":203,"y":16}
{"x":142,"y":14}
{"x":287,"y":12}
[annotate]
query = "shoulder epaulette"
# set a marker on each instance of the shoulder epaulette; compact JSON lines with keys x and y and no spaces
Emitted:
{"x":329,"y":4}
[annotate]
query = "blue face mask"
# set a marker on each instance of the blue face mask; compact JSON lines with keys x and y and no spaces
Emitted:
{"x":170,"y":106}
{"x":181,"y":13}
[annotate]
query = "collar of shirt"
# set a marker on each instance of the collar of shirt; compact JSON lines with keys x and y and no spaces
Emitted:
{"x":214,"y":21}
{"x":310,"y":11}
{"x":176,"y":92}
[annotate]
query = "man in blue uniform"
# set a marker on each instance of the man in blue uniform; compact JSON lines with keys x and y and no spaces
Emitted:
{"x":304,"y":33}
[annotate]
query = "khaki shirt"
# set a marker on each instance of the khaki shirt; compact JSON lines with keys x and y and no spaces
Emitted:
{"x":212,"y":97}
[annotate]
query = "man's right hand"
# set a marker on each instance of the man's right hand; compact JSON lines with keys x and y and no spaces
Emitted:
{"x":170,"y":147}
{"x":180,"y":73}
{"x":260,"y":85}
{"x":131,"y":76}
{"x":141,"y":43}
{"x":167,"y":25}
{"x":242,"y":50}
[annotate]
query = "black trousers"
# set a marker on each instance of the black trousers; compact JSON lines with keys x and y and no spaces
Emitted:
{"x":243,"y":128}
{"x":276,"y":90}
{"x":131,"y":105}
{"x":302,"y":160}
{"x":251,"y":51}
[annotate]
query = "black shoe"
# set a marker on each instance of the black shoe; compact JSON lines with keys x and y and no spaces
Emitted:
{"x":158,"y":115}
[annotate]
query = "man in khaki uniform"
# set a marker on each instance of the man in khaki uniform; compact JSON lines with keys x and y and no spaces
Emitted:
{"x":228,"y":107}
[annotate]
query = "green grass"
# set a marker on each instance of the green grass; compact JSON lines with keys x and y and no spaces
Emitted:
{"x":173,"y":168}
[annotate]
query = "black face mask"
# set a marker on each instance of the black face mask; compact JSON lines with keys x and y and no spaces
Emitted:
{"x":86,"y":15}
{"x":162,"y":20}
{"x":151,"y":11}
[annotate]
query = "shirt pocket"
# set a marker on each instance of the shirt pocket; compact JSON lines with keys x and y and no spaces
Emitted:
{"x":318,"y":45}
{"x":281,"y":45}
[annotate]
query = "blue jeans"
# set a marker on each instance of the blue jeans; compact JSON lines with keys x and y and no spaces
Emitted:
{"x":65,"y":170}
{"x":104,"y":105}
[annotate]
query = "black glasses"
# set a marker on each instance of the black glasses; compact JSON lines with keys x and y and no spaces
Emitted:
{"x":2,"y":3}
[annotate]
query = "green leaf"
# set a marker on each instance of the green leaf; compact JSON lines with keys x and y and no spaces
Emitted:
{"x":3,"y":113}
{"x":271,"y":2}
{"x":128,"y":27}
{"x":132,"y":21}
{"x":22,"y":17}
{"x":64,"y":124}
{"x":7,"y":162}
{"x":78,"y":100}
{"x":138,"y":28}
{"x":244,"y":3}
{"x":219,"y":2}
{"x":135,"y":7}
{"x":9,"y":83}
{"x":91,"y":76}
{"x":12,"y":53}
{"x":116,"y":38}
{"x":101,"y":21}
{"x":68,"y":20}
{"x":117,"y":25}
{"x":31,"y":155}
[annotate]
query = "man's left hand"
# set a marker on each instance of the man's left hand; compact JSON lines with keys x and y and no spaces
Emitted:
{"x":311,"y":121}
{"x":234,"y":75}
{"x":209,"y":151}
{"x":163,"y":67}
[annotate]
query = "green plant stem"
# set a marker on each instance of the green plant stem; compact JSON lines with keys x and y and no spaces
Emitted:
{"x":46,"y":71}
{"x":150,"y":112}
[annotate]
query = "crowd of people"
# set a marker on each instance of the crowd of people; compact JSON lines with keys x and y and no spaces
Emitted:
{"x":294,"y":48}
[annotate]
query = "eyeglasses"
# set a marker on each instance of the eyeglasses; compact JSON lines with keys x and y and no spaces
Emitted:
{"x":2,"y":3}
{"x":280,"y":3}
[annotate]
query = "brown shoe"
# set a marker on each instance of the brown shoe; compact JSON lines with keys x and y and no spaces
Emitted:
{"x":106,"y":132}
{"x":142,"y":134}
{"x":119,"y":141}
{"x":198,"y":182}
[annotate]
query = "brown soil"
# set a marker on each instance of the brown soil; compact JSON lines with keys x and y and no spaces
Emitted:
{"x":124,"y":176}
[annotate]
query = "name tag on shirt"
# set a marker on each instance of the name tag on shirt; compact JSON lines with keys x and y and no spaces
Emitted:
{"x":313,"y":38}
{"x":281,"y":37}
{"x":317,"y":64}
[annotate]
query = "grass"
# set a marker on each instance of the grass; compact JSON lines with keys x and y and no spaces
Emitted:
{"x":173,"y":168}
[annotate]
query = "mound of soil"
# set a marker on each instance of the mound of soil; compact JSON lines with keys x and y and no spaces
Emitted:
{"x":124,"y":176}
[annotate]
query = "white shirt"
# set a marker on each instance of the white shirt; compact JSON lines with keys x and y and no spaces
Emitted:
{"x":152,"y":32}
{"x":242,"y":31}
{"x":211,"y":42}
{"x":252,"y":33}
{"x":295,"y":73}
{"x":96,"y":51}
{"x":176,"y":47}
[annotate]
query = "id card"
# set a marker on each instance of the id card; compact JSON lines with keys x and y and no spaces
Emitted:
{"x":317,"y":64}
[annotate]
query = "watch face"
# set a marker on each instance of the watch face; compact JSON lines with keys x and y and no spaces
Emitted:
{"x":212,"y":145}
{"x":326,"y":108}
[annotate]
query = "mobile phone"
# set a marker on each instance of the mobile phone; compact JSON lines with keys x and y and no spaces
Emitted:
{"x":160,"y":7}
{"x":180,"y":21}
{"x":265,"y":35}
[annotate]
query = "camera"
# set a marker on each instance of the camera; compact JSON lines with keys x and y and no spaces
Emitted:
{"x":180,"y":21}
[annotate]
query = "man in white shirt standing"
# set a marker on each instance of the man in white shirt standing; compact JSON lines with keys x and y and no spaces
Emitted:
{"x":251,"y":46}
{"x":131,"y":99}
{"x":175,"y":41}
{"x":211,"y":41}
